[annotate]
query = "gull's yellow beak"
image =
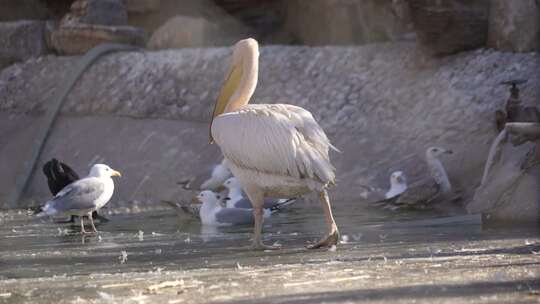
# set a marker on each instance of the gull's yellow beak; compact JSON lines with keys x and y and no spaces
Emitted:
{"x":229,"y":87}
{"x":116,"y":173}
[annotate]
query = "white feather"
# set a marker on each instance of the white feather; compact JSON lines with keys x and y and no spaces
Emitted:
{"x":272,"y":141}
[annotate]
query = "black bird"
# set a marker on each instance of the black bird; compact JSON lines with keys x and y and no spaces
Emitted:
{"x":60,"y":175}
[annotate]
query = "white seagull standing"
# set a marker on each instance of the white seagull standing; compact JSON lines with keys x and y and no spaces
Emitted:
{"x":212,"y":213}
{"x":398,"y":184}
{"x":236,"y":197}
{"x":83,"y":196}
{"x":275,"y":150}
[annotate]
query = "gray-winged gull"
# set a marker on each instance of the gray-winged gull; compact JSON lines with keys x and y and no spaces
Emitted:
{"x":398,"y":184}
{"x":84,"y":196}
{"x":212,"y":213}
{"x":219,"y":174}
{"x":236,"y":197}
{"x":59,"y":175}
{"x":426,"y":191}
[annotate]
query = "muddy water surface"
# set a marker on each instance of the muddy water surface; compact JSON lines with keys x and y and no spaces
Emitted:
{"x":157,"y":255}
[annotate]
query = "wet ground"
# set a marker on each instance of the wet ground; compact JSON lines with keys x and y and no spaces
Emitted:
{"x":158,"y":257}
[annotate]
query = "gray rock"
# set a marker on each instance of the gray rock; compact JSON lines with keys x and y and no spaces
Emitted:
{"x":21,"y":40}
{"x":514,"y":25}
{"x":79,"y":38}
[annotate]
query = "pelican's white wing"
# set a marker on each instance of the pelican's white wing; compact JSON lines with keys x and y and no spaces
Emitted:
{"x":276,"y":139}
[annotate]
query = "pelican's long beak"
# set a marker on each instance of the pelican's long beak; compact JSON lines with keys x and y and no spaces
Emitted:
{"x":116,"y":173}
{"x":448,"y":151}
{"x":229,"y":87}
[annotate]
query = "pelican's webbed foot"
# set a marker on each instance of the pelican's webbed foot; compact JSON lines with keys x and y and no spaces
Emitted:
{"x":260,"y":246}
{"x":328,"y":241}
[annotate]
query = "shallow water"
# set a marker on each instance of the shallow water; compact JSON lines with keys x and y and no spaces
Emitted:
{"x":154,"y":242}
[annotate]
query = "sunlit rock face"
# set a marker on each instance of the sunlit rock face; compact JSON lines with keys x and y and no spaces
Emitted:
{"x":382,"y":105}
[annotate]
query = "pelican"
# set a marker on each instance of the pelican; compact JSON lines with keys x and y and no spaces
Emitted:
{"x":275,"y":150}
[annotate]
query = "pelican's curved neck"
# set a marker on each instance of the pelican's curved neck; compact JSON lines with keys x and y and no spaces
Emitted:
{"x":438,"y":172}
{"x":249,"y":65}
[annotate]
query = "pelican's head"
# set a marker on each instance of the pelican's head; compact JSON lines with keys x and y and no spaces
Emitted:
{"x":437,"y":151}
{"x":241,"y":79}
{"x":208,"y":197}
{"x":232,"y":183}
{"x":398,"y":178}
{"x":101,"y":170}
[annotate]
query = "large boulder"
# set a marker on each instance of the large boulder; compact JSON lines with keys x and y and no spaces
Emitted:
{"x":185,"y":31}
{"x":21,"y":40}
{"x":80,"y":38}
{"x":510,"y":189}
{"x":181,"y":31}
{"x":447,"y":27}
{"x":514,"y":25}
{"x":230,"y":27}
{"x":345,"y":22}
{"x":92,"y":22}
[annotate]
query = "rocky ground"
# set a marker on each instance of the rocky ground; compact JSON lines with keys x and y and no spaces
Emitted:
{"x":381,"y":105}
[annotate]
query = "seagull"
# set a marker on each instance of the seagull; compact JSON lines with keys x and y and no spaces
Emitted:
{"x":219,"y":174}
{"x":426,"y":191}
{"x":212,"y":213}
{"x":60,"y":175}
{"x":398,"y":184}
{"x":275,"y":150}
{"x":236,"y":197}
{"x":83,"y":196}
